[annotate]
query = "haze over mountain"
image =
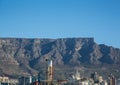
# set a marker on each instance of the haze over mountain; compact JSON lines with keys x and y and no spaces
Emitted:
{"x":21,"y":56}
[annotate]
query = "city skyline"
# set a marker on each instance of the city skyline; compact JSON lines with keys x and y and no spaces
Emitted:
{"x":61,"y":19}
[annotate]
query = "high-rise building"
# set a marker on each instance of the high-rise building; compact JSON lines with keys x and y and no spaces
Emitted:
{"x":95,"y":77}
{"x":25,"y":80}
{"x":112,"y":80}
{"x":49,"y":70}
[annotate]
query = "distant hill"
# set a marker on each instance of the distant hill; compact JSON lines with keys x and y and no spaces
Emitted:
{"x":20,"y":56}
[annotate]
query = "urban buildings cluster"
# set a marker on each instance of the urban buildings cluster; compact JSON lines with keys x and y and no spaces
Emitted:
{"x":74,"y":79}
{"x":8,"y":81}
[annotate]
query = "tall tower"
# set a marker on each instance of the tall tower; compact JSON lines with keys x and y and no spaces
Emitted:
{"x":49,"y":70}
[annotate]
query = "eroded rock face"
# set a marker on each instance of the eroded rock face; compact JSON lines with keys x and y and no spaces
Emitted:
{"x":27,"y":56}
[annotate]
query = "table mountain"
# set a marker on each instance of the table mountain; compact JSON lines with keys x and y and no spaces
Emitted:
{"x":21,"y":56}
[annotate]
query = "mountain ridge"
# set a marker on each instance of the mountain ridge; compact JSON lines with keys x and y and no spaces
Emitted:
{"x":26,"y":56}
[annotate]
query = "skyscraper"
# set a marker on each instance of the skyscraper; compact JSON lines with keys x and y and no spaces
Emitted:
{"x":112,"y":80}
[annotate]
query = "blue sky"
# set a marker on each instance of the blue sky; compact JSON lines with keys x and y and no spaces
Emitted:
{"x":61,"y":19}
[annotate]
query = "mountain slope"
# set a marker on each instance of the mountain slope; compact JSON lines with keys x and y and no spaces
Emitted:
{"x":19,"y":56}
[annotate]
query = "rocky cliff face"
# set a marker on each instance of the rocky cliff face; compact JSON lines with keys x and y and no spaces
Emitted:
{"x":26,"y":56}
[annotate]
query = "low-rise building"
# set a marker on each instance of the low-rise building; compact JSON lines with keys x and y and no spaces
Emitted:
{"x":4,"y":80}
